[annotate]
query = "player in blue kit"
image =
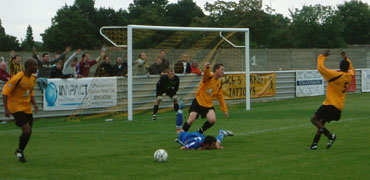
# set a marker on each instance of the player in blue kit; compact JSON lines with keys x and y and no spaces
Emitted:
{"x":196,"y":140}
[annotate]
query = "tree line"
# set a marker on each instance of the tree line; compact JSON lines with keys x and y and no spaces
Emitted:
{"x":313,"y":26}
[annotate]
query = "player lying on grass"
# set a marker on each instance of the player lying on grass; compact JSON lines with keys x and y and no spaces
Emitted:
{"x":196,"y":140}
{"x":338,"y":83}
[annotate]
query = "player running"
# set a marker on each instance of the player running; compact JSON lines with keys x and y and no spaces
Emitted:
{"x":18,"y":95}
{"x":338,"y":83}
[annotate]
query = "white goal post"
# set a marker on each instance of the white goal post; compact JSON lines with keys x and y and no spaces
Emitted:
{"x":129,"y":45}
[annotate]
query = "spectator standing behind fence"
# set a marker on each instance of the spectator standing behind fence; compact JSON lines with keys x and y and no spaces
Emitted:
{"x":69,"y":68}
{"x":194,"y":68}
{"x":56,"y":72}
{"x":46,"y":64}
{"x":141,"y":65}
{"x":182,"y":66}
{"x":105,"y":69}
{"x":165,"y":62}
{"x":156,"y":68}
{"x":85,"y":64}
{"x":4,"y":75}
{"x":15,"y":63}
{"x":120,"y":69}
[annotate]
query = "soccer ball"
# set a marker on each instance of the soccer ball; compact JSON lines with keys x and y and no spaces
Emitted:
{"x":160,"y":155}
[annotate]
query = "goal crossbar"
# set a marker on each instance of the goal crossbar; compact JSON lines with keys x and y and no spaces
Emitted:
{"x":129,"y":45}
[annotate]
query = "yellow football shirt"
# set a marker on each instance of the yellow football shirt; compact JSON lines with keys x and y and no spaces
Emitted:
{"x":19,"y":96}
{"x":209,"y":89}
{"x":338,"y":83}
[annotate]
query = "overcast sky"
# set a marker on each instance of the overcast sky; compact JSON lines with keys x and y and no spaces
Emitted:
{"x":16,"y":15}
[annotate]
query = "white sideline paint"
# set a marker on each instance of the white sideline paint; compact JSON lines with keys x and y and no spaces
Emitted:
{"x":294,"y":127}
{"x":60,"y":129}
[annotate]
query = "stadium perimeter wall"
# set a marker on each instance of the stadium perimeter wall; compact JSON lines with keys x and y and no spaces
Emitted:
{"x":144,"y":93}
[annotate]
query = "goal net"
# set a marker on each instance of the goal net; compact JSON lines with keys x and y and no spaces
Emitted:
{"x":141,"y":46}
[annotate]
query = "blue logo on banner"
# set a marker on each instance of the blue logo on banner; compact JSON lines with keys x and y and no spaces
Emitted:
{"x":51,"y":94}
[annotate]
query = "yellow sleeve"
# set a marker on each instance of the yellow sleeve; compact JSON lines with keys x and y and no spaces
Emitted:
{"x":326,"y":73}
{"x":9,"y":86}
{"x":221,"y":100}
{"x":206,"y":74}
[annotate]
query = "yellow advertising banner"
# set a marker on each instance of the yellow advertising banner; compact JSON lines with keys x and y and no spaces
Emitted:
{"x":261,"y":84}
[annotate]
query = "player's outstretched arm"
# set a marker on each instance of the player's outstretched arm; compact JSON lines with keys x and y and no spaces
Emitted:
{"x":5,"y":102}
{"x":221,"y":100}
{"x":207,"y":72}
{"x":218,"y":145}
{"x":226,"y":115}
{"x":325,"y":72}
{"x":344,"y":56}
{"x":61,"y":56}
{"x":34,"y":104}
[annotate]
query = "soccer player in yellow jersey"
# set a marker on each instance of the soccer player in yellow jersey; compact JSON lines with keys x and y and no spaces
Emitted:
{"x":18,"y":96}
{"x":209,"y":88}
{"x":338,"y":83}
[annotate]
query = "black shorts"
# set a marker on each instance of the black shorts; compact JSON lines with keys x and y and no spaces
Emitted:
{"x":327,"y":113}
{"x":160,"y":92}
{"x":195,"y":107}
{"x":22,"y":118}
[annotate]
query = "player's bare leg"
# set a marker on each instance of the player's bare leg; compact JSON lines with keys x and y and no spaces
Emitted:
{"x":211,"y":120}
{"x":23,"y":140}
{"x":320,"y":124}
{"x":189,"y":122}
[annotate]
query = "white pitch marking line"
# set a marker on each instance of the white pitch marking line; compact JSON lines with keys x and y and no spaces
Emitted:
{"x":60,"y":129}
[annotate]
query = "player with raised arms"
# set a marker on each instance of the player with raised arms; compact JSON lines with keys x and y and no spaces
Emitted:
{"x":209,"y":88}
{"x":338,"y":83}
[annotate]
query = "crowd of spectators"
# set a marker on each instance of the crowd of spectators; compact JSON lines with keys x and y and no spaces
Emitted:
{"x":72,"y":67}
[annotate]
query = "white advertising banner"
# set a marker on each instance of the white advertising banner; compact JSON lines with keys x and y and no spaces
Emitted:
{"x":365,"y":80}
{"x":83,"y":93}
{"x":309,"y":83}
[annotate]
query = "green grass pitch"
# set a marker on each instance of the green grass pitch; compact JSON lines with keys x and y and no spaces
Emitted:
{"x":270,"y":143}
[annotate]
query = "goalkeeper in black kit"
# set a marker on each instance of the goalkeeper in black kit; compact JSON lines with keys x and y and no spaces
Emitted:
{"x":167,"y":85}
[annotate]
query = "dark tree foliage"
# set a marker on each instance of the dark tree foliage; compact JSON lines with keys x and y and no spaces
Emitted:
{"x":355,"y":16}
{"x":7,"y":42}
{"x":314,"y":26}
{"x":29,"y":42}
